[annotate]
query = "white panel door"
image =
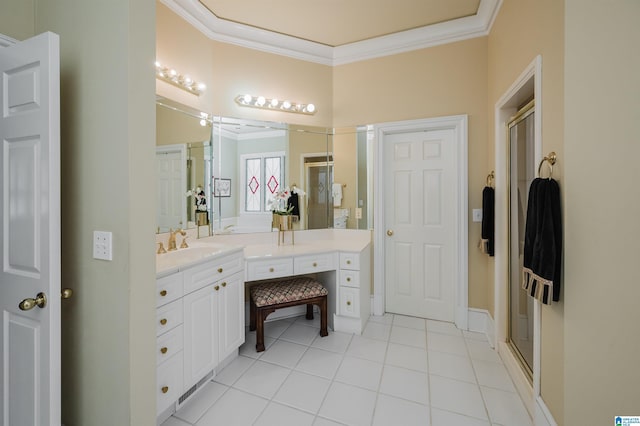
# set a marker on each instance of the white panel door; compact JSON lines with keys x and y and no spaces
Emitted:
{"x":421,"y":223}
{"x":172,"y":187}
{"x":30,"y":232}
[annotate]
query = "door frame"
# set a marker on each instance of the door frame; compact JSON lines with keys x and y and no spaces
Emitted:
{"x":530,"y":80}
{"x":459,"y":123}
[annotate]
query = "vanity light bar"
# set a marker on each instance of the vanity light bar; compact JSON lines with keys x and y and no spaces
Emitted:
{"x":183,"y":82}
{"x":275,"y":104}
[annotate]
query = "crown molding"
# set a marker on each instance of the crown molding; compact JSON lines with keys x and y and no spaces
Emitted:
{"x":254,"y":38}
{"x":6,"y":41}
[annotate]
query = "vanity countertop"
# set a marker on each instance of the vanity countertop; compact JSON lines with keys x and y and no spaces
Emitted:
{"x":265,"y":245}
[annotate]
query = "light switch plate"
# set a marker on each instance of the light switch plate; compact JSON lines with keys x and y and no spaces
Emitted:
{"x":102,"y":245}
{"x":358,"y":213}
{"x":477,"y":215}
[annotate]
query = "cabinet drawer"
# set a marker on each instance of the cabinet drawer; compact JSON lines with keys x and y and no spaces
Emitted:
{"x":169,"y":288}
{"x":169,"y":344}
{"x":168,"y":317}
{"x":169,"y":382}
{"x":313,"y":263}
{"x":350,"y":261}
{"x":349,"y":278}
{"x":269,"y":268}
{"x":207,"y":273}
{"x":349,"y":305}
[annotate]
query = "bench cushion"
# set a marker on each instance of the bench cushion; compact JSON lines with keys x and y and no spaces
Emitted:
{"x":288,"y":290}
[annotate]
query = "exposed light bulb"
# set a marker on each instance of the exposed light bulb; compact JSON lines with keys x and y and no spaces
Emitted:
{"x":274,"y":103}
{"x":203,"y":122}
{"x":311,"y":108}
{"x":260,"y":101}
{"x":202,"y":87}
{"x":173,"y":73}
{"x":286,"y":105}
{"x":247,"y":99}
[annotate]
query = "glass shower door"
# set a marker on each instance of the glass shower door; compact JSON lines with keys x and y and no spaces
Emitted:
{"x":521,"y":174}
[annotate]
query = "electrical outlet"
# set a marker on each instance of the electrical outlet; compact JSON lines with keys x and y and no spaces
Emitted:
{"x":358,"y":213}
{"x":102,"y":245}
{"x":477,"y":215}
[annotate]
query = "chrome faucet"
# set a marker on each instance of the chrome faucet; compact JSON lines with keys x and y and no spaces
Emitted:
{"x":171,"y":245}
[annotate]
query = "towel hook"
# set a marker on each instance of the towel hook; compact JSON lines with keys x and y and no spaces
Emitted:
{"x":490,"y":177}
{"x":550,"y":159}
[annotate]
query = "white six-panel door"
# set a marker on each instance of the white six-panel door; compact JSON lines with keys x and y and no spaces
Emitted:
{"x":30,"y":232}
{"x":421,"y":220}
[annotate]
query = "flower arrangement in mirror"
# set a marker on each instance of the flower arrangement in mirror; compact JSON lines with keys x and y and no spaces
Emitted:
{"x":285,"y":202}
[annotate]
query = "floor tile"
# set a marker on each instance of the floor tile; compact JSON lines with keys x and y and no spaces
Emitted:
{"x":406,"y":384}
{"x":284,"y":353}
{"x":493,"y":375}
{"x":378,"y":331}
{"x":382,"y":319}
{"x":276,"y":328}
{"x":173,"y":421}
{"x":348,"y":404}
{"x":505,"y":407}
{"x":407,"y":357}
{"x":408,"y":336}
{"x":315,"y":322}
{"x":362,"y":347}
{"x":325,"y":422}
{"x":446,"y":343}
{"x":262,"y":379}
{"x":395,"y":411}
{"x":447,"y":418}
{"x":452,"y":366}
{"x":334,"y":342}
{"x":360,"y":372}
{"x":409,"y":322}
{"x":443,"y":327}
{"x":234,"y":370}
{"x":281,"y":415}
{"x":234,"y":408}
{"x":303,"y":391}
{"x":482,"y":351}
{"x":248,"y":348}
{"x":197,"y":405}
{"x":456,"y":396}
{"x":473,"y":335}
{"x":320,"y":363}
{"x":300,"y":334}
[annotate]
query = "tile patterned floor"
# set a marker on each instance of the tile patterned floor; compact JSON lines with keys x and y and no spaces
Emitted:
{"x":402,"y":371}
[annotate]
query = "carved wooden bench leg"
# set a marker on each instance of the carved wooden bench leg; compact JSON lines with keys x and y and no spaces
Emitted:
{"x":309,"y":311}
{"x":323,"y":317}
{"x":252,"y":315}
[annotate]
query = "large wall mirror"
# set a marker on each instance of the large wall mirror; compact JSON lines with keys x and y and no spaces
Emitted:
{"x":223,"y":173}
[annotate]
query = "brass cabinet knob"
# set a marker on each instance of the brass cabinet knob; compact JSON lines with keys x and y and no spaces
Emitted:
{"x":220,"y":270}
{"x":348,"y":262}
{"x":315,"y":264}
{"x":27,"y":304}
{"x":348,"y":303}
{"x":163,"y":293}
{"x":389,"y":232}
{"x":271,"y":269}
{"x":165,"y":389}
{"x":163,"y":321}
{"x":224,"y":284}
{"x":217,"y":287}
{"x":164,"y":350}
{"x":348,"y":279}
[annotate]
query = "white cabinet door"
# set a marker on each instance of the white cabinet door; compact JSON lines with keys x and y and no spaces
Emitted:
{"x":231,"y":315}
{"x":200,"y":334}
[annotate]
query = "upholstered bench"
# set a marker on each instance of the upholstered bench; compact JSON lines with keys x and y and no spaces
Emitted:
{"x":269,"y":296}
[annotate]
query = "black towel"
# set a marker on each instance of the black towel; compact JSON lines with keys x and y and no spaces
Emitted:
{"x":292,"y":203}
{"x":543,"y":241}
{"x":488,"y":219}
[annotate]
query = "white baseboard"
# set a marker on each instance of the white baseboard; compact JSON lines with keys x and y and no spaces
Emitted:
{"x":542,"y":416}
{"x":480,"y":321}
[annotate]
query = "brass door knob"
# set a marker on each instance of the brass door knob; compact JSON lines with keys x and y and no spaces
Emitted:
{"x":389,"y":232}
{"x":27,"y":304}
{"x":66,"y":293}
{"x":163,"y":293}
{"x":165,"y":389}
{"x":163,"y":350}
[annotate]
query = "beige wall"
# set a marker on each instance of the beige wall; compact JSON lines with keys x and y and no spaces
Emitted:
{"x":523,"y":30}
{"x":602,"y":207}
{"x":345,"y":171}
{"x":440,"y":81}
{"x":17,"y":18}
{"x":107,"y":145}
{"x":174,"y":127}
